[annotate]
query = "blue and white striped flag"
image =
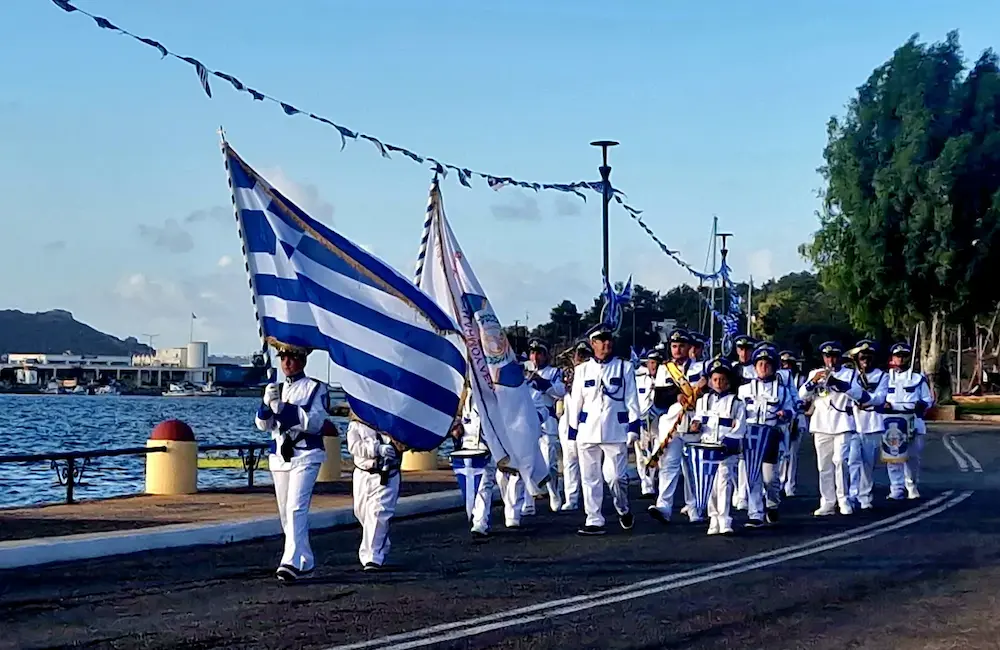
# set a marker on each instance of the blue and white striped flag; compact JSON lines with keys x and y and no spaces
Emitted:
{"x":401,"y":359}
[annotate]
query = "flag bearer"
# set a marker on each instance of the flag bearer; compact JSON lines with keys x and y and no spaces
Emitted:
{"x":293,"y":412}
{"x":908,"y":392}
{"x":603,"y":414}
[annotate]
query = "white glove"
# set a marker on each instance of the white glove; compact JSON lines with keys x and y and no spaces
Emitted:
{"x":272,"y":397}
{"x":386,"y":451}
{"x":633,"y":438}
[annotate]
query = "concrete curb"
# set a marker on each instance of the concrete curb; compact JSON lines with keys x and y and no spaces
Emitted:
{"x":45,"y":550}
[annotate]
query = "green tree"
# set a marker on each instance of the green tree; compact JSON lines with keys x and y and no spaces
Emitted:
{"x":909,"y":229}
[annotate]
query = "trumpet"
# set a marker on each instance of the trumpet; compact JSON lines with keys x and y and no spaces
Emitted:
{"x":821,"y":379}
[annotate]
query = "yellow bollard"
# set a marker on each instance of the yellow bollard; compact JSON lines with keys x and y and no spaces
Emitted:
{"x":174,"y":471}
{"x":419,"y":461}
{"x":330,"y":470}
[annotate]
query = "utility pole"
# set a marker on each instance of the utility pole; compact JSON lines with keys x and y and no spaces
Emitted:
{"x":711,"y":300}
{"x":605,"y":171}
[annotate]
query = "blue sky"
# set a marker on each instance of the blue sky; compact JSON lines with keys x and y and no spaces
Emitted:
{"x":115,"y":194}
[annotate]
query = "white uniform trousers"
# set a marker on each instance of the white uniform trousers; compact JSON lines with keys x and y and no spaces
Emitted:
{"x":720,"y":499}
{"x":668,"y":475}
{"x":293,"y":489}
{"x":647,"y":475}
{"x":374,"y":506}
{"x":790,"y":466}
{"x":552,"y":453}
{"x":483,"y":504}
{"x":765,"y":493}
{"x":864,"y":449}
{"x":907,"y":474}
{"x":603,"y":462}
{"x":831,"y":463}
{"x":512,"y":493}
{"x":741,"y":495}
{"x":571,"y":471}
{"x":692,"y":511}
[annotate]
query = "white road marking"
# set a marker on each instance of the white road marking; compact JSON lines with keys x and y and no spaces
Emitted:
{"x":949,"y":444}
{"x":976,"y":467}
{"x":551,"y":609}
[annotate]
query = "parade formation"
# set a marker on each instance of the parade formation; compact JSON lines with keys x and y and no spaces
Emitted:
{"x":730,"y":430}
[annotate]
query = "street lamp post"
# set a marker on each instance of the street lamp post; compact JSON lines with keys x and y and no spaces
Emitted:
{"x":605,"y":170}
{"x":725,"y":298}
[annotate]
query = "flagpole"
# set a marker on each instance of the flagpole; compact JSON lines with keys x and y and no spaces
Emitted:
{"x":750,"y":307}
{"x":265,"y":350}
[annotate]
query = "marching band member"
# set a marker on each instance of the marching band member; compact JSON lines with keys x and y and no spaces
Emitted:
{"x":673,"y":431}
{"x":720,"y":419}
{"x":376,"y":491}
{"x":769,"y":403}
{"x":697,"y":351}
{"x":834,"y":390}
{"x":745,"y":372}
{"x":604,"y":414}
{"x":649,"y":417}
{"x":868,"y":417}
{"x":546,"y":386}
{"x":687,"y":375}
{"x":794,"y":379}
{"x":571,"y":457}
{"x":294,"y":412}
{"x":908,"y":392}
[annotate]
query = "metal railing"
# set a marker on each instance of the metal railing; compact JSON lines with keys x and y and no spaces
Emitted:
{"x":250,"y":454}
{"x":69,"y":471}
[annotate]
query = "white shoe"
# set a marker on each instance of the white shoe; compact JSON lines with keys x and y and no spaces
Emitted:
{"x":740,"y":505}
{"x":726,"y":530}
{"x":568,"y":506}
{"x":713,"y":526}
{"x":825,"y":512}
{"x":684,"y":510}
{"x":846,"y":509}
{"x":912,"y":493}
{"x":512,"y":524}
{"x":555,"y":506}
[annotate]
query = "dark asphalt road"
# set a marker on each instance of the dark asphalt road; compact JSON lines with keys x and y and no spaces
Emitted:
{"x":827,"y":583}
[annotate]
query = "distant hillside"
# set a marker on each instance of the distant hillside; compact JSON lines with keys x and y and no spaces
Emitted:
{"x":56,"y":332}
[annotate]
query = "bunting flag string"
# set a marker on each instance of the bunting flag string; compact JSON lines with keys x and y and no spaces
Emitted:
{"x":464,"y":174}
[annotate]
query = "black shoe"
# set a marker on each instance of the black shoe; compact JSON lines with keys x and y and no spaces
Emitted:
{"x":372,"y":567}
{"x":754,"y":523}
{"x":645,"y":496}
{"x":771,"y":516}
{"x":655,"y":513}
{"x":589,"y":531}
{"x":627,"y":520}
{"x":478,"y":536}
{"x":286,"y":573}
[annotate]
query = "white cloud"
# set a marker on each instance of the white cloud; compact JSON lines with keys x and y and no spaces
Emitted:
{"x":170,"y":236}
{"x":760,"y":264}
{"x":519,"y":208}
{"x":224,"y":261}
{"x":214,"y":213}
{"x":304,"y":195}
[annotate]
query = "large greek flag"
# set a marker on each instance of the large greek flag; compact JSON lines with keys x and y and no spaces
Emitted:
{"x":402,"y":361}
{"x":496,"y":381}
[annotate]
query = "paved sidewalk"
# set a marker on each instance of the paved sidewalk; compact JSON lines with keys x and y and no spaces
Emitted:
{"x":142,"y":511}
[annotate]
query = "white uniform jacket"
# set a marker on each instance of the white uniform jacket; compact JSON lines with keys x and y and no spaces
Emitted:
{"x":833,"y":404}
{"x":693,"y":370}
{"x":544,"y":393}
{"x":604,"y":405}
{"x":644,"y":389}
{"x":721,"y":416}
{"x":868,"y":417}
{"x":363,"y":443}
{"x":747,"y":371}
{"x":303,"y":411}
{"x":906,"y":388}
{"x":794,"y":381}
{"x":765,"y":398}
